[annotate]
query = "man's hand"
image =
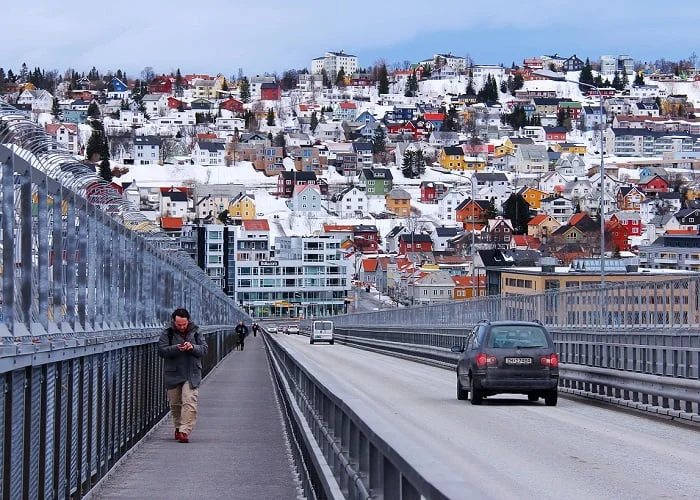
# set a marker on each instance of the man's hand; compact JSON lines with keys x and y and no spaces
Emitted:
{"x":187,"y":346}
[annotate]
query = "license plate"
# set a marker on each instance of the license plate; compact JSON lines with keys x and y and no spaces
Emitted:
{"x":518,"y":361}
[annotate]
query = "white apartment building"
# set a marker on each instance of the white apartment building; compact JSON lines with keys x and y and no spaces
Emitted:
{"x":305,"y":277}
{"x":146,"y":149}
{"x":333,"y":61}
{"x":480,"y":74}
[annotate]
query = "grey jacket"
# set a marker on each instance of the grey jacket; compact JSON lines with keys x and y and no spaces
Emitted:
{"x":181,"y":366}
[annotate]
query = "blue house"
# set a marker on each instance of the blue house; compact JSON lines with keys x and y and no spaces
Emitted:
{"x":118,"y":89}
{"x":365,"y":117}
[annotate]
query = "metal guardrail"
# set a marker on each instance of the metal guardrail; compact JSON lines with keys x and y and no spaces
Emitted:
{"x":70,"y":412}
{"x":87,"y":282}
{"x":363,"y":464}
{"x":669,"y":305}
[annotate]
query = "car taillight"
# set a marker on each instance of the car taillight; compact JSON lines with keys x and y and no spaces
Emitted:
{"x":551,"y":361}
{"x":483,"y":360}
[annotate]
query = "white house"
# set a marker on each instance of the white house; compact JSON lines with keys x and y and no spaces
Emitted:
{"x":306,"y":198}
{"x":66,"y":135}
{"x":447,"y":205}
{"x":559,"y":208}
{"x":571,"y":166}
{"x":173,"y":204}
{"x":349,"y":202}
{"x":146,"y":149}
{"x":531,"y":158}
{"x":209,"y":153}
{"x":40,"y":100}
{"x":155,"y":104}
{"x":551,"y":182}
{"x":131,"y":118}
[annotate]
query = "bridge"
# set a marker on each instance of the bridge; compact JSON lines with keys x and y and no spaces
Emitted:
{"x":88,"y":283}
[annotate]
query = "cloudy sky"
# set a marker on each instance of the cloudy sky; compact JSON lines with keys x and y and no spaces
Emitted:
{"x":221,"y":36}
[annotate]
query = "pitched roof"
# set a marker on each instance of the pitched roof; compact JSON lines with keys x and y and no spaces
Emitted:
{"x":256,"y":225}
{"x":171,"y":222}
{"x":369,"y":265}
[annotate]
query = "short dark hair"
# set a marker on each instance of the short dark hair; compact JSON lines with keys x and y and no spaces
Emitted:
{"x":181,"y":312}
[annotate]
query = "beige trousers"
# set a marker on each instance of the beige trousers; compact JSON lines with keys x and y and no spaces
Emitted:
{"x":183,"y":406}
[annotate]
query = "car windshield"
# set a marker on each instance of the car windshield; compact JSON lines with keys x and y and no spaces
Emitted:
{"x":514,"y":336}
{"x":323,"y":325}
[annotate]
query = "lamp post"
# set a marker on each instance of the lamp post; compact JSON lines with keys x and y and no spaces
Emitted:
{"x":602,"y":195}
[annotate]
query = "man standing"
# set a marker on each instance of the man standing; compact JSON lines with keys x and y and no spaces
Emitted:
{"x":182,"y":347}
{"x":242,"y":331}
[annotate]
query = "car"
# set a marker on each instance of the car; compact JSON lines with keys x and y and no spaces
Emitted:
{"x":322,"y":331}
{"x":516,"y":357}
{"x":271,"y":329}
{"x":293,"y":329}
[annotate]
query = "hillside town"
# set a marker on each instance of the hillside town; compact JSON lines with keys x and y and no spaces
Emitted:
{"x":428,"y":181}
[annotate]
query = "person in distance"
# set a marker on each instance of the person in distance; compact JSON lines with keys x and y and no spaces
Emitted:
{"x":182,"y":346}
{"x":242,"y":332}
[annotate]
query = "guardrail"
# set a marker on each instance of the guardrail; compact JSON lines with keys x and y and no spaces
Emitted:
{"x":658,"y":304}
{"x":72,"y":409}
{"x":359,"y":460}
{"x":658,"y":378}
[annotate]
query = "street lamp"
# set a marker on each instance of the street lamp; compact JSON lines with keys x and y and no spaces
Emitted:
{"x":602,"y":178}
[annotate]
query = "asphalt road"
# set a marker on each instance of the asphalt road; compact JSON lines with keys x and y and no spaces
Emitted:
{"x":509,"y":447}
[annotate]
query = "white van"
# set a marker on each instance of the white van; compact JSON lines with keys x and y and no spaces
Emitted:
{"x":321,"y":331}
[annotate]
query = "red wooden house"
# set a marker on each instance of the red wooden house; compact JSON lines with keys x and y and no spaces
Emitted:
{"x":161,"y":85}
{"x":366,"y":237}
{"x":174,"y":103}
{"x":408,"y":127}
{"x":654,"y":184}
{"x":431,"y":191}
{"x":631,"y":220}
{"x":232,"y":105}
{"x":555,"y":134}
{"x":617,"y":235}
{"x":415,"y":242}
{"x":270,"y":92}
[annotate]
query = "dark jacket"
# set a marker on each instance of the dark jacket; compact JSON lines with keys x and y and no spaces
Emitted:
{"x":181,"y":366}
{"x":242,"y":331}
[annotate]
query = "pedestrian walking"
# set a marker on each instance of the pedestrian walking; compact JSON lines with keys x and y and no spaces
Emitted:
{"x":182,"y":346}
{"x":256,"y":327}
{"x":242,"y":332}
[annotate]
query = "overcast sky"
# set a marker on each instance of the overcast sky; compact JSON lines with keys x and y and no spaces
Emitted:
{"x":221,"y":36}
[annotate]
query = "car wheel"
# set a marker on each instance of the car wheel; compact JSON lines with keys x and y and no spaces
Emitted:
{"x":311,"y":341}
{"x":532,"y":397}
{"x":332,"y":342}
{"x":550,"y":399}
{"x":462,"y":394}
{"x":477,"y":396}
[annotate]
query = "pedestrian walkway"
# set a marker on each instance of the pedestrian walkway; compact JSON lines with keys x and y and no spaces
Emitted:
{"x":238,"y":449}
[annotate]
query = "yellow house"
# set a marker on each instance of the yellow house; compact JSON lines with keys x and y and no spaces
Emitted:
{"x":507,"y":148}
{"x":533,"y":196}
{"x":569,"y":147}
{"x":452,"y":158}
{"x":398,"y":201}
{"x":473,"y":163}
{"x":242,"y":207}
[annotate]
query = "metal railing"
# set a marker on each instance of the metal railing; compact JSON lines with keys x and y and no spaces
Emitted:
{"x":87,"y":284}
{"x":669,"y":305}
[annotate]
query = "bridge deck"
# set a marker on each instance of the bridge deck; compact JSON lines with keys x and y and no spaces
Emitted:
{"x":237,"y":450}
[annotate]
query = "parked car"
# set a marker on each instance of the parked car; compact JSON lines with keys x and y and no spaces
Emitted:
{"x":293,"y":329}
{"x":508,"y":357}
{"x":321,"y":331}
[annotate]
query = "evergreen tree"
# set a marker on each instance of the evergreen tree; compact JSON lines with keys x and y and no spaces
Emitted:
{"x":504,"y":84}
{"x":23,"y":74}
{"x":280,"y":142}
{"x":379,"y":141}
{"x":517,"y":210}
{"x":617,"y":83}
{"x":638,"y":79}
{"x":586,"y":75}
{"x":224,"y":86}
{"x":407,"y":165}
{"x":491,"y":212}
{"x":418,"y":164}
{"x":625,"y":80}
{"x":2,"y":77}
{"x":470,"y":82}
{"x":55,"y":110}
{"x":179,"y":83}
{"x":340,"y":78}
{"x":11,"y":76}
{"x":93,"y":110}
{"x":270,"y":117}
{"x":325,"y":81}
{"x":383,"y":80}
{"x":314,"y":121}
{"x":105,"y":171}
{"x":427,"y":70}
{"x":245,"y":90}
{"x":518,"y":82}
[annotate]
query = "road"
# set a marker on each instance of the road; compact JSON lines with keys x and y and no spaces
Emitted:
{"x":509,"y":447}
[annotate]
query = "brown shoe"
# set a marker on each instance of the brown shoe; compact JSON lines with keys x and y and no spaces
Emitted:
{"x":184,"y":438}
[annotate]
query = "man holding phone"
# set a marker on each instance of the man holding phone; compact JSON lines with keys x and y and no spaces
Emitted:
{"x":182,"y":347}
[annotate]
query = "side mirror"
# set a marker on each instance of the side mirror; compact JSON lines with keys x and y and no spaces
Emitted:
{"x":457,"y":348}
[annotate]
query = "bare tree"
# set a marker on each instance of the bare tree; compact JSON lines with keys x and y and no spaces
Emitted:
{"x":147,"y":74}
